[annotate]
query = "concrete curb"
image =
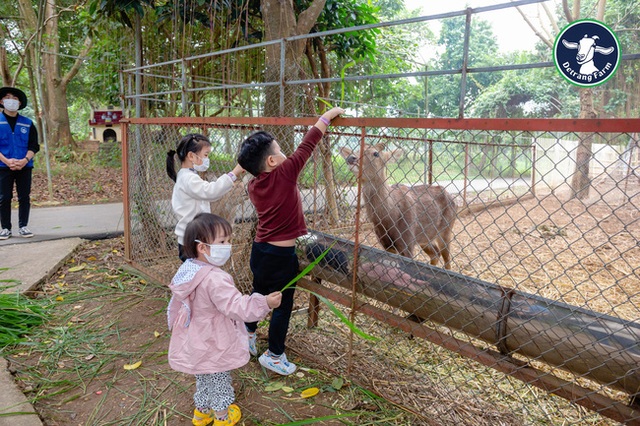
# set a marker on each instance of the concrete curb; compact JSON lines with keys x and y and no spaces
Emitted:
{"x":12,"y":400}
{"x":31,"y":263}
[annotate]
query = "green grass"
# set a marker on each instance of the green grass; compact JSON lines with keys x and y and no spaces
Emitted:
{"x":19,"y":315}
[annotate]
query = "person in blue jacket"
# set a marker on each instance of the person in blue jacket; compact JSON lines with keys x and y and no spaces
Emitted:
{"x":18,"y":146}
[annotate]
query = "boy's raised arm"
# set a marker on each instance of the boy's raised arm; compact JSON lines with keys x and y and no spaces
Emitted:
{"x":325,"y":119}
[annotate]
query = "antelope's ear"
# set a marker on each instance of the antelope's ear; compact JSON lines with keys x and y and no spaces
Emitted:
{"x":380,"y":146}
{"x":393,"y":156}
{"x":345,"y":152}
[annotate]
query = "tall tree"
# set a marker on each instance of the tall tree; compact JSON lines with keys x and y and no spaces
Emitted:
{"x":281,"y":20}
{"x":42,"y":24}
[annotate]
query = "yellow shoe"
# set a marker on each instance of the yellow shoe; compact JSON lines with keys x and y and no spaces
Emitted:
{"x":202,"y":419}
{"x":233,"y":417}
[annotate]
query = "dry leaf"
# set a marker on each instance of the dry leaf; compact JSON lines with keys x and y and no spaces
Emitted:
{"x":78,"y":268}
{"x":155,"y":333}
{"x":59,"y":298}
{"x":92,"y":258}
{"x":309,"y":392}
{"x":132,"y":366}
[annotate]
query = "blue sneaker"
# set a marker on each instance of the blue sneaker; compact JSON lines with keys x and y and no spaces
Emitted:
{"x":278,"y":364}
{"x":5,"y":234}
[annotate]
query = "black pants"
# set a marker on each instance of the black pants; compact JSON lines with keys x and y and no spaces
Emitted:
{"x":273,"y":267}
{"x":22,"y":180}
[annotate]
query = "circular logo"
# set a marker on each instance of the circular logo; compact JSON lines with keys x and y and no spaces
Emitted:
{"x":586,"y":53}
{"x":23,"y":130}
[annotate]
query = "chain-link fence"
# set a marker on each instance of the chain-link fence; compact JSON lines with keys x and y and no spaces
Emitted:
{"x":535,"y":318}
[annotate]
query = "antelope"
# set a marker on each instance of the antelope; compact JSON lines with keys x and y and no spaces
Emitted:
{"x":404,"y":216}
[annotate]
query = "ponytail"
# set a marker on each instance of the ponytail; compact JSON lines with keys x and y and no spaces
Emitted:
{"x":171,"y":165}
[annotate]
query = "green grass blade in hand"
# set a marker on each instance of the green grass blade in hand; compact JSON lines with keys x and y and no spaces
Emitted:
{"x":308,"y":269}
{"x":326,"y":103}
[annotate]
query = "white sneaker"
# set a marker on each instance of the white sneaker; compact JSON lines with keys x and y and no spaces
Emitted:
{"x":25,"y":232}
{"x":253,"y":348}
{"x":5,"y":234}
{"x":278,"y":364}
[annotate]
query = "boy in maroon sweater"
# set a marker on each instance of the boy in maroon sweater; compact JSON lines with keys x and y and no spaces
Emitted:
{"x":274,"y":193}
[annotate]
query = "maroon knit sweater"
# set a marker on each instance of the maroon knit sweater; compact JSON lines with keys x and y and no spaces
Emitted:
{"x":276,"y":196}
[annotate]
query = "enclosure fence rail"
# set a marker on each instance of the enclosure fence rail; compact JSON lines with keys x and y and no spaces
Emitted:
{"x":542,"y":287}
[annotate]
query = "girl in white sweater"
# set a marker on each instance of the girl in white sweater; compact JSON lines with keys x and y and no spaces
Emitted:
{"x":191,"y":193}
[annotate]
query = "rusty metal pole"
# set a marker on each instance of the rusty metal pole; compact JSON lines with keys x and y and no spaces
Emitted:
{"x":466,"y":175}
{"x":356,"y":247}
{"x":125,"y":191}
{"x":465,"y":63}
{"x":533,"y":169}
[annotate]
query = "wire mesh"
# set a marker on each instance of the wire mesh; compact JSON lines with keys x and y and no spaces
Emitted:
{"x":540,"y":284}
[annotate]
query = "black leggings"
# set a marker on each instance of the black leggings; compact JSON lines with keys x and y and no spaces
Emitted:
{"x":22,"y":180}
{"x":273,"y":267}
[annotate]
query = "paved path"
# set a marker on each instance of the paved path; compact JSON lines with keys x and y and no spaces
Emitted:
{"x":94,"y":221}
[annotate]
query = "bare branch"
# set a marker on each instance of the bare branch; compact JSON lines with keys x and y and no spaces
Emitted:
{"x":552,"y":18}
{"x":567,"y":11}
{"x":535,"y":29}
{"x":88,"y":43}
{"x":601,"y":7}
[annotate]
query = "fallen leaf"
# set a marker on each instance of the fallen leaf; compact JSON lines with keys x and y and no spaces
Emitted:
{"x":89,"y":357}
{"x":287,"y":389}
{"x":309,"y":392}
{"x":132,"y":366}
{"x":274,"y":386}
{"x":155,"y":333}
{"x":142,"y":282}
{"x":92,"y":258}
{"x":59,"y":298}
{"x":300,"y":374}
{"x":98,"y":392}
{"x":78,"y":268}
{"x":337,"y":383}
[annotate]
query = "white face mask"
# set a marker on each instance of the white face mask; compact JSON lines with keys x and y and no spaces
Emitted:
{"x":220,"y":253}
{"x":202,"y":167}
{"x":11,"y":104}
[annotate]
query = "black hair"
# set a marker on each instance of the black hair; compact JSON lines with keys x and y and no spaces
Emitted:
{"x":193,"y":142}
{"x":254,"y":152}
{"x":205,"y":227}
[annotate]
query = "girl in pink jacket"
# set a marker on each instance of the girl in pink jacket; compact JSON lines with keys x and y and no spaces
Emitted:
{"x":206,"y":317}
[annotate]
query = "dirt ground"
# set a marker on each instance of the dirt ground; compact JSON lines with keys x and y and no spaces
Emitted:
{"x":93,"y":185}
{"x":105,"y":318}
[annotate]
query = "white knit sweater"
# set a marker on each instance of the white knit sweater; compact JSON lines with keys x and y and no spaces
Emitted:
{"x":192,"y":195}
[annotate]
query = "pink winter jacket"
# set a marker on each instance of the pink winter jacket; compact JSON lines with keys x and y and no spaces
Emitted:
{"x":206,"y":315}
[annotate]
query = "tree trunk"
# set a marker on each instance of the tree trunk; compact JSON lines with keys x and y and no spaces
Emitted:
{"x":580,"y":181}
{"x":324,"y":146}
{"x":4,"y":64}
{"x":280,"y":22}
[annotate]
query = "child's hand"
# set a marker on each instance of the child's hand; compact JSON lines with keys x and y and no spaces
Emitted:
{"x":274,"y":299}
{"x":333,"y":113}
{"x":237,"y":170}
